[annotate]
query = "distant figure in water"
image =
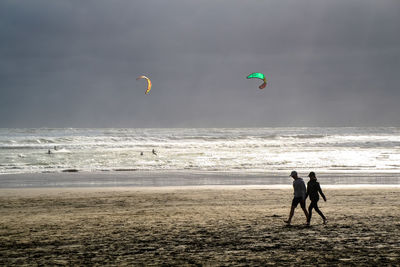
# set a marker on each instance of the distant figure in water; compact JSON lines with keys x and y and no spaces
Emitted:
{"x":299,"y":196}
{"x":49,"y":152}
{"x":154,"y":152}
{"x":313,"y":188}
{"x":55,"y":148}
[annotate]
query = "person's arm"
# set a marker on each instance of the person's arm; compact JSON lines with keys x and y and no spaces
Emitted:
{"x":304,"y":190}
{"x":320,"y":192}
{"x":308,"y":191}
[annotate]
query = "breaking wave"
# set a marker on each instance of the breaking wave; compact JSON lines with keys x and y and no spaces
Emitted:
{"x":205,"y":149}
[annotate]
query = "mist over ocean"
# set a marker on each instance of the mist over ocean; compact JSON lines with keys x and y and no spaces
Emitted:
{"x":201,"y":149}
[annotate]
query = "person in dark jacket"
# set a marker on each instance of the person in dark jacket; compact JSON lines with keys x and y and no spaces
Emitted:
{"x":299,"y":196}
{"x":313,"y":191}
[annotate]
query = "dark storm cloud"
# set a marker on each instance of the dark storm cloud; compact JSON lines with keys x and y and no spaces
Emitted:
{"x":74,"y":63}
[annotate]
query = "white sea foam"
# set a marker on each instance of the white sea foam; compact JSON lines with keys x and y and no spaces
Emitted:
{"x":216,"y":149}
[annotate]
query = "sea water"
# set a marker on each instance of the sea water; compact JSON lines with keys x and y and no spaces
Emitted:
{"x":237,"y":150}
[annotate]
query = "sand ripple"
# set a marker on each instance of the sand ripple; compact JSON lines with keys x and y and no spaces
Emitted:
{"x":198,"y":227}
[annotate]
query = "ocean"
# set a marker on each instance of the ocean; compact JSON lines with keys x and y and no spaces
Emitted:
{"x":203,"y":149}
{"x":242,"y":151}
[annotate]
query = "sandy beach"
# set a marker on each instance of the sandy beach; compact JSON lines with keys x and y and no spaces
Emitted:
{"x":196,"y":226}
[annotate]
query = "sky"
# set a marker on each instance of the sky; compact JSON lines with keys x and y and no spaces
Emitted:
{"x":74,"y":63}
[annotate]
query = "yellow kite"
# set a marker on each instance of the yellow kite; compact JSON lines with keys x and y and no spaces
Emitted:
{"x":148,"y":83}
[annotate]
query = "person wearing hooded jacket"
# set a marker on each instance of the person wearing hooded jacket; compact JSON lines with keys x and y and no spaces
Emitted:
{"x":313,"y":191}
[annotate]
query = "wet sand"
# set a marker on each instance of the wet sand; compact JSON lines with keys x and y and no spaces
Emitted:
{"x":196,"y":226}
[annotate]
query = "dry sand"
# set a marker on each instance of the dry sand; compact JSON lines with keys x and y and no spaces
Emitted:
{"x":196,"y":226}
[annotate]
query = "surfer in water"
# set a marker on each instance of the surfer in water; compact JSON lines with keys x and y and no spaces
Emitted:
{"x":154,"y":152}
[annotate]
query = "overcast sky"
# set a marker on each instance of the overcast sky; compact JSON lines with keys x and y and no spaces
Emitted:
{"x":73,"y":63}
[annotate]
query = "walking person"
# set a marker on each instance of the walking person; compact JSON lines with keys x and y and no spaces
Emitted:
{"x":299,"y":196}
{"x":313,"y":191}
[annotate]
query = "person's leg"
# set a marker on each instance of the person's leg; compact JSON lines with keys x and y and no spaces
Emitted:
{"x":319,"y":212}
{"x":290,"y":215}
{"x":310,"y":212}
{"x":303,"y":207}
{"x":294,"y":205}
